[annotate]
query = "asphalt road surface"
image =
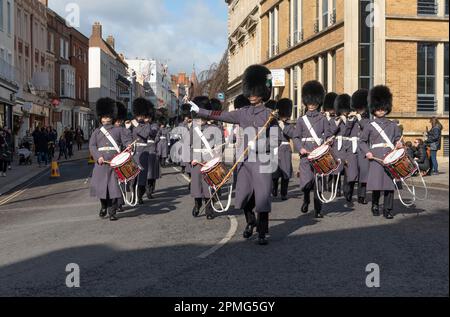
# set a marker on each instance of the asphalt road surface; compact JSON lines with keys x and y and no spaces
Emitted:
{"x":159,"y":249}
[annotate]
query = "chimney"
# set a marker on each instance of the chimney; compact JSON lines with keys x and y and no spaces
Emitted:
{"x":97,"y":30}
{"x":111,"y":42}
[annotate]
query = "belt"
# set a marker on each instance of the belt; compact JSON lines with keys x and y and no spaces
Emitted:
{"x":162,"y":138}
{"x":141,"y":144}
{"x":309,"y":140}
{"x":380,"y":145}
{"x":150,"y":141}
{"x":355,"y":138}
{"x":285,"y":143}
{"x":106,"y":149}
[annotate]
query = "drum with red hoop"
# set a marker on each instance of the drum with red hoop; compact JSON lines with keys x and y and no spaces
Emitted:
{"x":399,"y":165}
{"x":124,"y":167}
{"x":214,"y":172}
{"x":323,"y":160}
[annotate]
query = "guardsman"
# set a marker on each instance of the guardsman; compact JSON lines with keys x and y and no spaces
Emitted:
{"x":105,"y":143}
{"x":380,"y":137}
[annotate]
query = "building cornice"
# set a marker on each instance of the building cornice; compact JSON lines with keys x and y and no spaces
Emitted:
{"x":418,"y":18}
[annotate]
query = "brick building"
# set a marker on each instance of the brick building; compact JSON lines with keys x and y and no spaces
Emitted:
{"x":349,"y":44}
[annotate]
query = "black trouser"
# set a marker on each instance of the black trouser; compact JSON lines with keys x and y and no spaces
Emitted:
{"x":109,"y":204}
{"x":362,"y":190}
{"x":3,"y":166}
{"x":349,"y":188}
{"x":141,"y":191}
{"x":307,"y":199}
{"x":261,"y":221}
{"x":388,"y":199}
{"x":208,"y":209}
{"x":151,"y":183}
{"x":284,"y":186}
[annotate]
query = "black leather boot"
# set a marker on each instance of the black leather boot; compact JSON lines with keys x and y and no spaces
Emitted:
{"x":362,"y":201}
{"x":306,"y":201}
{"x":375,"y":210}
{"x":387,"y":214}
{"x":209,"y":211}
{"x":197,"y":206}
{"x":317,"y":209}
{"x":275,"y":188}
{"x":112,"y":214}
{"x":103,"y":209}
{"x":262,"y":240}
{"x":251,"y":224}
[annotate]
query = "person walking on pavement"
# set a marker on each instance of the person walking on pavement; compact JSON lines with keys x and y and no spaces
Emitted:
{"x":5,"y":153}
{"x":79,"y":138}
{"x":42,"y":147}
{"x":434,"y":142}
{"x":69,"y":141}
{"x":62,"y":147}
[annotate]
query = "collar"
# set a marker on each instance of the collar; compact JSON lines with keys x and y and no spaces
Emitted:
{"x":380,"y":120}
{"x":312,"y":113}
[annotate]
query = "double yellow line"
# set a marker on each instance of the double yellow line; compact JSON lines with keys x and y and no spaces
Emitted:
{"x":16,"y":194}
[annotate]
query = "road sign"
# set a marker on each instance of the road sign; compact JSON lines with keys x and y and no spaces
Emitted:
{"x":278,"y":77}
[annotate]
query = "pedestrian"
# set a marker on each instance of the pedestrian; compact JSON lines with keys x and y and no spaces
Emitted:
{"x":285,"y":169}
{"x":311,"y":132}
{"x":69,"y":141}
{"x":51,"y":142}
{"x":379,"y":138}
{"x":5,"y":153}
{"x":254,"y":183}
{"x":27,"y":141}
{"x":79,"y":137}
{"x":62,"y":147}
{"x":434,"y":142}
{"x":42,"y":147}
{"x":421,"y":157}
{"x":410,"y":150}
{"x":104,"y":145}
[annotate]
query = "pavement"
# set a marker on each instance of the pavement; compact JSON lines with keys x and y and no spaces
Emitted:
{"x":159,"y":249}
{"x":20,"y":174}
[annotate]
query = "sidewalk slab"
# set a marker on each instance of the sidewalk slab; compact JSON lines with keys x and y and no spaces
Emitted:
{"x":20,"y":174}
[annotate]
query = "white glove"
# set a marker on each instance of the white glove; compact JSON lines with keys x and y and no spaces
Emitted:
{"x":135,"y":123}
{"x":359,"y":117}
{"x":327,"y":114}
{"x":281,"y":124}
{"x":343,"y":118}
{"x":194,"y":107}
{"x":127,"y":125}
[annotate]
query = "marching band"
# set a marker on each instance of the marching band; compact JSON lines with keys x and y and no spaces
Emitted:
{"x":340,"y":139}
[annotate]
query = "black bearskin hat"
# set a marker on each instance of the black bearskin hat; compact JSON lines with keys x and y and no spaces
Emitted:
{"x":328,"y":102}
{"x":216,"y":105}
{"x":342,"y":104}
{"x":122,"y":111}
{"x":284,"y":107}
{"x":313,"y":93}
{"x":271,"y":104}
{"x":240,"y":102}
{"x":185,"y":110}
{"x":380,"y":97}
{"x":359,"y":100}
{"x":106,"y":107}
{"x":142,"y":107}
{"x":202,"y":102}
{"x":257,"y":81}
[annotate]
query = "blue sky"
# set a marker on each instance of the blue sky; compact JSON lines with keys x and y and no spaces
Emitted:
{"x":183,"y":32}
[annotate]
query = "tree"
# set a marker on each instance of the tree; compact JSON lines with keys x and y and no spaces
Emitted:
{"x":215,"y":79}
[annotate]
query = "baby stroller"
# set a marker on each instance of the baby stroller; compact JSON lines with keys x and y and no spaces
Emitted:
{"x":24,"y":155}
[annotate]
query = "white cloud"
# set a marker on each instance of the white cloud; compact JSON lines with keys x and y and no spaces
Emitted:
{"x":158,"y":29}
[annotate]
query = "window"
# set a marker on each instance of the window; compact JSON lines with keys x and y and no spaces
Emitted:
{"x":296,"y":22}
{"x":61,"y":47}
{"x":446,"y":77}
{"x":63,"y":83}
{"x":324,"y":14}
{"x":273,"y":32}
{"x":366,"y":44}
{"x":426,"y":77}
{"x":51,"y":42}
{"x":8,"y":10}
{"x":66,"y":55}
{"x":1,"y":15}
{"x":427,"y":7}
{"x":325,"y":71}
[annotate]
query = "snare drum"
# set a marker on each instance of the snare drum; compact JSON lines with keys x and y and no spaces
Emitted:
{"x":323,"y":160}
{"x":124,"y":167}
{"x":214,"y":172}
{"x":399,"y":165}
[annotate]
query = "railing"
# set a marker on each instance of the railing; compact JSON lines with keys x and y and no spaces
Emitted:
{"x":426,"y":103}
{"x":316,"y":26}
{"x":7,"y":71}
{"x":333,"y":17}
{"x":427,"y":7}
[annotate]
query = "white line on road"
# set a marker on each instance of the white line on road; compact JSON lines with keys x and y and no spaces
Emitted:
{"x":228,"y":237}
{"x":230,"y":234}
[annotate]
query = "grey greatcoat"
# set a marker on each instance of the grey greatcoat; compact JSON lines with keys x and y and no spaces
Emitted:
{"x":363,"y":162}
{"x":154,"y":169}
{"x":183,"y":130}
{"x":285,"y":169}
{"x":321,"y":126}
{"x":379,"y":179}
{"x":104,"y":179}
{"x":253,"y":176}
{"x":199,"y":187}
{"x":350,"y":147}
{"x":162,"y":148}
{"x":141,"y":156}
{"x":339,"y":131}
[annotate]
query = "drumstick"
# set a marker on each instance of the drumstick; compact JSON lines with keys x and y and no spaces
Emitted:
{"x":378,"y":160}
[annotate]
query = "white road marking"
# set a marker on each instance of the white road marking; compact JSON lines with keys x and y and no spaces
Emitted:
{"x":231,"y":232}
{"x":228,"y":237}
